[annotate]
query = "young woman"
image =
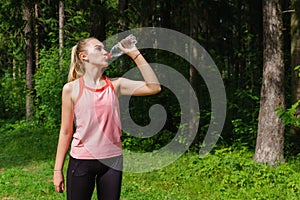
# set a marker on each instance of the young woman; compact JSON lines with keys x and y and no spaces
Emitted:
{"x":90,"y":99}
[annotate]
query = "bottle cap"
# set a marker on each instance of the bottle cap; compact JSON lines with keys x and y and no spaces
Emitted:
{"x":108,"y":56}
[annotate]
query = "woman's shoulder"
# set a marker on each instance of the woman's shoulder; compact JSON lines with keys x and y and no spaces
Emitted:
{"x":68,"y":87}
{"x":115,"y":81}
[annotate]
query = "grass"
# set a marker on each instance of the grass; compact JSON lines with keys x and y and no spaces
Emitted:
{"x":27,"y":155}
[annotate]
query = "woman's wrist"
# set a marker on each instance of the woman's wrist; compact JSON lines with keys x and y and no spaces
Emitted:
{"x":135,"y":57}
{"x":132,"y":54}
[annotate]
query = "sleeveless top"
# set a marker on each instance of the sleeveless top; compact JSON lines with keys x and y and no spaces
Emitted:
{"x":98,"y":126}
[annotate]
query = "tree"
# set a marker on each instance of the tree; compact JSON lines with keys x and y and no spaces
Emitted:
{"x":295,"y":61}
{"x":36,"y":31}
{"x":61,"y":31}
{"x":196,"y":24}
{"x":98,"y":18}
{"x":123,"y":23}
{"x":270,"y":136}
{"x":28,"y":8}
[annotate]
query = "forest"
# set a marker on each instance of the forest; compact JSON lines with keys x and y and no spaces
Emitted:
{"x":248,"y":116}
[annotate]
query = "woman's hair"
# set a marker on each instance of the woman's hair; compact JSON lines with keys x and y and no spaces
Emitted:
{"x":77,"y":66}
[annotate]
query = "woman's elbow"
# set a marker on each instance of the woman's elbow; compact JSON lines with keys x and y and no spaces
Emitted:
{"x":155,"y":89}
{"x":158,"y":90}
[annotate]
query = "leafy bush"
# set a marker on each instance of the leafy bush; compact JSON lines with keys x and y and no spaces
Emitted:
{"x":226,"y":174}
{"x":289,"y":115}
{"x":49,"y":80}
{"x":12,"y":98}
{"x":243,"y":114}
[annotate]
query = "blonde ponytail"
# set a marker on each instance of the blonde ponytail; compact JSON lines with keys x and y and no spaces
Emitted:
{"x":76,"y":66}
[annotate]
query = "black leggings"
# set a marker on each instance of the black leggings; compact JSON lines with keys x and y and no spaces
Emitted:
{"x":83,"y":174}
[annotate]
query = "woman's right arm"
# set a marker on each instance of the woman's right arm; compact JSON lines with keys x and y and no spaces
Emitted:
{"x":65,"y":135}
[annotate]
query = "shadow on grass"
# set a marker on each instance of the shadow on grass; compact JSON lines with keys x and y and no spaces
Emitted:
{"x":23,"y":143}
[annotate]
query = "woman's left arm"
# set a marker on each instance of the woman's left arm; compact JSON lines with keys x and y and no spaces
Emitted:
{"x":149,"y":86}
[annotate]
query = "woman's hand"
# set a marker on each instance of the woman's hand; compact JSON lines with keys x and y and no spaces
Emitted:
{"x":131,"y":52}
{"x":58,"y":181}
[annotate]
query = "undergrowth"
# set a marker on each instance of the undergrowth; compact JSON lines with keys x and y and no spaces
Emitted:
{"x":27,"y":154}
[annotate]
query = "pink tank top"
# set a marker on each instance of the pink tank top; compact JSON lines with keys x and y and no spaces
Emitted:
{"x":98,"y":126}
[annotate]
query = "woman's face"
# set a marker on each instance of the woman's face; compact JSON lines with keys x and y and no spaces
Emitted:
{"x":96,"y":54}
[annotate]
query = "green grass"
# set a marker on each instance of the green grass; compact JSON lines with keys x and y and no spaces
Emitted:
{"x":27,"y":155}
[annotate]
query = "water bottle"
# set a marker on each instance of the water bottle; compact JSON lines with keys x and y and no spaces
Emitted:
{"x":128,"y":43}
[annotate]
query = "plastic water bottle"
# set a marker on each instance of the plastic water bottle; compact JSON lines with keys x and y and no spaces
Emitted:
{"x":115,"y":51}
{"x":128,"y":43}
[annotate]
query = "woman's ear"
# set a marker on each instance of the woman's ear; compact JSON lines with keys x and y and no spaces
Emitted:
{"x":83,"y":57}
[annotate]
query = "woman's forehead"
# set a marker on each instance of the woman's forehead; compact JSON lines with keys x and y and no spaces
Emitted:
{"x":95,"y":42}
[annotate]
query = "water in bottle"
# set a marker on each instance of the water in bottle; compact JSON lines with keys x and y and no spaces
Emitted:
{"x":127,"y":43}
{"x":115,"y":51}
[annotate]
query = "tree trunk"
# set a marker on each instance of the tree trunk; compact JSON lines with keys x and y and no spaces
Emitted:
{"x":14,"y":68}
{"x":166,"y":14}
{"x":29,"y":59}
{"x":123,"y":6}
{"x":295,"y":61}
{"x":61,"y":32}
{"x":194,"y":76}
{"x":270,"y":136}
{"x":98,"y":18}
{"x":123,"y":25}
{"x":36,"y":31}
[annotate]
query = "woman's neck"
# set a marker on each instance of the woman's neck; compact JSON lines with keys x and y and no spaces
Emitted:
{"x":93,"y":77}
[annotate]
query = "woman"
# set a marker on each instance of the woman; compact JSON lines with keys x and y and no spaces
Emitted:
{"x":90,"y":100}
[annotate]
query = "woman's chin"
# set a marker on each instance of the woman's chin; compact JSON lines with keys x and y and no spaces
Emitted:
{"x":103,"y":65}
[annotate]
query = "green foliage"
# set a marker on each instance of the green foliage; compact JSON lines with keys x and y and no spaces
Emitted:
{"x":49,"y":81}
{"x":297,"y":68}
{"x":76,"y":26}
{"x":244,"y":122}
{"x":27,"y":154}
{"x":244,"y":133}
{"x":23,"y":142}
{"x":153,"y":143}
{"x":12,"y":100}
{"x":230,"y":33}
{"x":289,"y":115}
